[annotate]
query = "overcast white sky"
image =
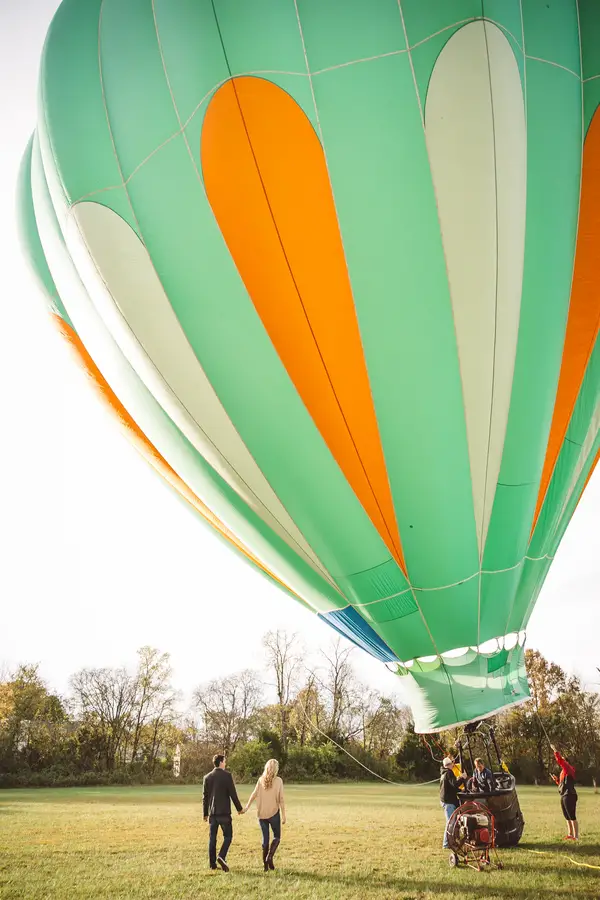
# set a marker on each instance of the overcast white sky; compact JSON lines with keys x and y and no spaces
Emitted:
{"x":97,"y":558}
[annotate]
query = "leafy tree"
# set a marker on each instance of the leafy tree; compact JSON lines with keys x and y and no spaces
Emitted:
{"x":154,"y":704}
{"x":118,"y":725}
{"x":559,"y":711}
{"x":25,"y":699}
{"x":384,"y":724}
{"x":248,"y":760}
{"x":415,"y":758}
{"x":308,"y":714}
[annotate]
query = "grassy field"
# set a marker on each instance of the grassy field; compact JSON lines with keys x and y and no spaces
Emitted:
{"x":342,"y":842}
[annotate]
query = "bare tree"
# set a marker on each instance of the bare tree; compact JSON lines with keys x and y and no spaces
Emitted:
{"x":108,"y":697}
{"x":339,"y":691}
{"x":283,"y":659}
{"x":228,"y":706}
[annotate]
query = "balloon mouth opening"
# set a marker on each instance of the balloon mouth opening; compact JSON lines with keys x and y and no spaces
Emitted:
{"x":459,"y":655}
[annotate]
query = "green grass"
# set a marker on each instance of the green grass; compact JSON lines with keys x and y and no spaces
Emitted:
{"x":342,"y":842}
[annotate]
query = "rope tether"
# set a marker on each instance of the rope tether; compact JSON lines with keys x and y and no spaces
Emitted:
{"x":557,"y":853}
{"x":422,"y":784}
{"x":539,"y":718}
{"x":366,"y":768}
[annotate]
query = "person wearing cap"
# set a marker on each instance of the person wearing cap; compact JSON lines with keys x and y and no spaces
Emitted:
{"x":449,"y":785}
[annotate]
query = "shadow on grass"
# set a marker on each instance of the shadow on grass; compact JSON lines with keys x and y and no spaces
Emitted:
{"x":562,"y":869}
{"x":477,"y":887}
{"x":571,"y":848}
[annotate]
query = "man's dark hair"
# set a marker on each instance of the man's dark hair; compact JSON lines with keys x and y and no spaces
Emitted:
{"x":217,"y":760}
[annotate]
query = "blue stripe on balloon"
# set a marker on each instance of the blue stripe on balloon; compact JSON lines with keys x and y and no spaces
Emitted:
{"x":350,"y":624}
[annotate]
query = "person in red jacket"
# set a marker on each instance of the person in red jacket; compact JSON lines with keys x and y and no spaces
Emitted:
{"x":568,"y":794}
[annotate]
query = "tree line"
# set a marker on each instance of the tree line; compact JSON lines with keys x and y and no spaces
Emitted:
{"x":124,"y":726}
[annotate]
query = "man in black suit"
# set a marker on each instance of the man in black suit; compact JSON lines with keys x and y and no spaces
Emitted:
{"x":218,"y":790}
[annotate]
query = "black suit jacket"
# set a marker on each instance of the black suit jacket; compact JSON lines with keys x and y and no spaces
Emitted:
{"x":218,"y":790}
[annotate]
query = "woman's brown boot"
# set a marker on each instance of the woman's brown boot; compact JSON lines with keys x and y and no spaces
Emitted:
{"x":274,"y":846}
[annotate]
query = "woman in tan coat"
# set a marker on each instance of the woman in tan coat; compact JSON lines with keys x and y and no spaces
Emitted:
{"x":270,"y":807}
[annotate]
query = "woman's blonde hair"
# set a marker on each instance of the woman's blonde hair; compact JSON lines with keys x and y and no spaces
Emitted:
{"x":270,"y":771}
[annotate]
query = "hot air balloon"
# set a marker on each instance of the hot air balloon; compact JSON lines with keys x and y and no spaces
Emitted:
{"x":334,"y":266}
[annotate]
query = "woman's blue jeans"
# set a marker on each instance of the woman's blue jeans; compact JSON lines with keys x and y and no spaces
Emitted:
{"x":275,"y":824}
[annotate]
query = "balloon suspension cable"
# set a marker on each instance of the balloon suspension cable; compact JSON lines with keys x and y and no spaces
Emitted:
{"x":347,"y":752}
{"x":428,"y":745}
{"x":470,"y":749}
{"x":492,"y":733}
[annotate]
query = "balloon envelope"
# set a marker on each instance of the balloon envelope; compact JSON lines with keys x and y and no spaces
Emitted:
{"x":335,"y":268}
